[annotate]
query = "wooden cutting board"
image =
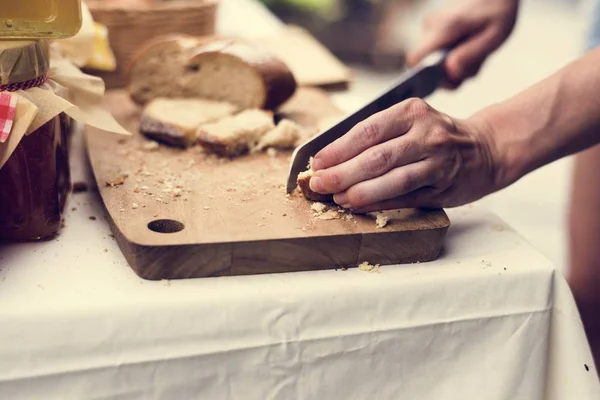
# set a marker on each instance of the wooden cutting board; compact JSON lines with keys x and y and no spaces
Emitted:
{"x":184,"y":214}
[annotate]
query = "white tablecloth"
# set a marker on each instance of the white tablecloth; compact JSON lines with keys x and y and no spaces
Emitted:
{"x":491,"y":319}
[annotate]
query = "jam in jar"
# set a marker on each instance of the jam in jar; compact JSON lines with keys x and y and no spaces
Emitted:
{"x":35,"y":180}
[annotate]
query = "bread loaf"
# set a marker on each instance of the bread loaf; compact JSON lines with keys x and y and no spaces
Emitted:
{"x":217,"y":69}
{"x":176,"y":121}
{"x":235,"y":135}
{"x":154,"y":71}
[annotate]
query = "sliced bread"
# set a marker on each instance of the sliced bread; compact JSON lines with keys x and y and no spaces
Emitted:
{"x":176,"y":121}
{"x":286,"y":135}
{"x":216,"y":68}
{"x":235,"y":135}
{"x":155,"y":69}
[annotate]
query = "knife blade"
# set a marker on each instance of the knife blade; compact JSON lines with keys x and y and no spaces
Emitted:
{"x":419,"y":81}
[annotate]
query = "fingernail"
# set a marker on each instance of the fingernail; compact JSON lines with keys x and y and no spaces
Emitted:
{"x":341,"y":199}
{"x":316,"y":184}
{"x":317,"y":164}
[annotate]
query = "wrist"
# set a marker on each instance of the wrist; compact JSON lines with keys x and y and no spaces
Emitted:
{"x":507,"y":151}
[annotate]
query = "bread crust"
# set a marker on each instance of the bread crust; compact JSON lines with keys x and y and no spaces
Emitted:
{"x":278,"y":81}
{"x":164,"y":132}
{"x":138,"y":64}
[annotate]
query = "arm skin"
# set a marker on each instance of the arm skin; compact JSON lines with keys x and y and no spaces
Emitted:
{"x":557,"y":117}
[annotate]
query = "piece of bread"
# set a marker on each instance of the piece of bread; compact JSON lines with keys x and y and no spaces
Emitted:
{"x":239,"y":73}
{"x":212,"y":68}
{"x":176,"y":121}
{"x":304,"y":185}
{"x":154,"y":70}
{"x":235,"y":135}
{"x":286,"y":135}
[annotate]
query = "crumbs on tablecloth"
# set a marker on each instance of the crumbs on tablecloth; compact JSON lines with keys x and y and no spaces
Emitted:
{"x":366,"y":267}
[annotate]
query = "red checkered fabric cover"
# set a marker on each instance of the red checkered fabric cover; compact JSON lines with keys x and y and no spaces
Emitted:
{"x":8,"y":106}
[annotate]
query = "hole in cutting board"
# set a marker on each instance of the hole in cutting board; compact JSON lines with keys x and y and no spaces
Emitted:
{"x":166,"y":226}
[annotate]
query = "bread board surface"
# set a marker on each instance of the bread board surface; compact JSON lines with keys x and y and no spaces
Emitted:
{"x":184,"y":214}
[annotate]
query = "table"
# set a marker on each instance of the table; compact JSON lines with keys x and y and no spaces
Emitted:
{"x":491,"y":319}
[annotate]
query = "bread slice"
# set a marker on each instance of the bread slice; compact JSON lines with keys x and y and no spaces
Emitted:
{"x":286,"y":135}
{"x":155,"y":69}
{"x":304,"y":185}
{"x":176,"y":121}
{"x":235,"y":135}
{"x":216,"y":68}
{"x":239,"y":73}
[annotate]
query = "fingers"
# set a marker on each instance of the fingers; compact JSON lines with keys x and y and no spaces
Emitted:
{"x":397,"y":182}
{"x":370,"y":164}
{"x":441,"y":30}
{"x":420,"y":198}
{"x":437,"y":36}
{"x":465,"y":60}
{"x":379,"y":128}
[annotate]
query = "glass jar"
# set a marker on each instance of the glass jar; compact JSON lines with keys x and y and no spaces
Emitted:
{"x":40,"y":19}
{"x":35,"y":180}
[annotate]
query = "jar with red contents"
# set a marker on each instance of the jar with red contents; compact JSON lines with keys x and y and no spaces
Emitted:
{"x":35,"y":179}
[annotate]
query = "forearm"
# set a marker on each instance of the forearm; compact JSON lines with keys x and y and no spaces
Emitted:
{"x":557,"y":117}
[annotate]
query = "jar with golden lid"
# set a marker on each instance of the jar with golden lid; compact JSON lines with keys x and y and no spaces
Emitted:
{"x":34,"y":161}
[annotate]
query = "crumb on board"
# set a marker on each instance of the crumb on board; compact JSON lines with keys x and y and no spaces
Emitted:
{"x":318,"y":208}
{"x":381,"y":220}
{"x":271,"y":152}
{"x":92,"y":218}
{"x":134,"y":206}
{"x":366,"y":267}
{"x":118,"y":181}
{"x":329,"y":215}
{"x":150,"y":146}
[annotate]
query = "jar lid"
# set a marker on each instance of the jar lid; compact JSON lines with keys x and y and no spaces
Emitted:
{"x":23,"y":60}
{"x":40,"y":19}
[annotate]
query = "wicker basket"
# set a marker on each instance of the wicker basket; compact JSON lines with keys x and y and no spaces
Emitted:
{"x":131,"y":23}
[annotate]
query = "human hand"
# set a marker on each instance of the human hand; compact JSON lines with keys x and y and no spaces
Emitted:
{"x":474,"y":28}
{"x":409,"y":155}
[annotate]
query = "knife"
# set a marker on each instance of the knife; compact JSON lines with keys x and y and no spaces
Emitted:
{"x":419,"y":81}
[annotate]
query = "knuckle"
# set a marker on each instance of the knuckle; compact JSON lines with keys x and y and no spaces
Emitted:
{"x":417,"y":107}
{"x":370,"y":131}
{"x":408,"y":182}
{"x":380,"y":159}
{"x":405,"y":147}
